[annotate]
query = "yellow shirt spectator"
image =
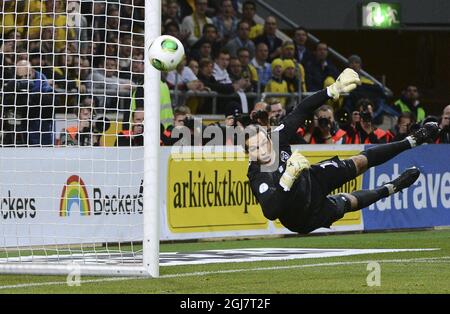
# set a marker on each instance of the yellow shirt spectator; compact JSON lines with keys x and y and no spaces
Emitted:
{"x":7,"y":18}
{"x":57,"y":19}
{"x":299,"y":72}
{"x":276,"y":84}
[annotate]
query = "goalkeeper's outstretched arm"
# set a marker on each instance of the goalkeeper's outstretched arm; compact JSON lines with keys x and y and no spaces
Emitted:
{"x":346,"y":82}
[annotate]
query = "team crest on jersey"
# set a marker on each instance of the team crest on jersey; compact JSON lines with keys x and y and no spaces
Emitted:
{"x":263,"y":188}
{"x":284,"y":156}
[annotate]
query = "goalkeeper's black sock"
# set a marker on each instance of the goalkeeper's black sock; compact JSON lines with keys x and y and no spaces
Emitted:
{"x":368,"y":197}
{"x":376,"y":155}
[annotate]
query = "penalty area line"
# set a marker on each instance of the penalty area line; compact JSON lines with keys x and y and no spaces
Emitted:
{"x":239,"y":270}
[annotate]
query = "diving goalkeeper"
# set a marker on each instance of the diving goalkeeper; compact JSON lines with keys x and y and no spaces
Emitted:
{"x":296,"y":192}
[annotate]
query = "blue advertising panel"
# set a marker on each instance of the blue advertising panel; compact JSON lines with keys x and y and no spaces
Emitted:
{"x":424,"y":204}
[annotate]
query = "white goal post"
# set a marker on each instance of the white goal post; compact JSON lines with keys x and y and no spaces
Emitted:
{"x":79,"y":172}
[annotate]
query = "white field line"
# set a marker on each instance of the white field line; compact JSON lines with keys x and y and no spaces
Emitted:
{"x":239,"y":270}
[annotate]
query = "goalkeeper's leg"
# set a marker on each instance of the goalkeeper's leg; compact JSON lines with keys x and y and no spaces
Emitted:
{"x":379,"y":154}
{"x":363,"y":198}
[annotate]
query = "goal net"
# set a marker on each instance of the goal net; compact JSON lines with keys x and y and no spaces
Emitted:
{"x":78,"y":175}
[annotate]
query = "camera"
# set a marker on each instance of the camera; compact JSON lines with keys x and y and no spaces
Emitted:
{"x":261,"y":117}
{"x":23,"y":85}
{"x":189,"y":122}
{"x":324,"y":122}
{"x":366,"y":116}
{"x":100,"y":125}
{"x":242,"y":118}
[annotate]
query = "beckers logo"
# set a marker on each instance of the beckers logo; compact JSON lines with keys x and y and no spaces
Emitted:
{"x":74,"y":193}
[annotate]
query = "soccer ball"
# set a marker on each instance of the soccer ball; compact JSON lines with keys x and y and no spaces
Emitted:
{"x":165,"y":53}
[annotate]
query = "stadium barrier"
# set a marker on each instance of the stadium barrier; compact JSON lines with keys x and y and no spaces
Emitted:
{"x":202,"y":197}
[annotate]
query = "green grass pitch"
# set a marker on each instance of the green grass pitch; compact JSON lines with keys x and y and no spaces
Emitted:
{"x":402,"y":272}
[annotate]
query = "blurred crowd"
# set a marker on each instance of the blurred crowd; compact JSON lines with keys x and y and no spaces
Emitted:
{"x":86,"y":59}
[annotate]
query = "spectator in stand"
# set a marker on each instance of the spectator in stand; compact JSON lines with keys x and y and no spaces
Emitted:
{"x":137,"y":69}
{"x":65,"y":74}
{"x":125,"y":49}
{"x":172,"y":13}
{"x":324,"y":129}
{"x":135,"y":135}
{"x":193,"y":65}
{"x":206,"y":76}
{"x":173,"y":29}
{"x":248,"y":15}
{"x":367,"y":89}
{"x":402,"y":129}
{"x":276,"y":84}
{"x":444,"y":136}
{"x":8,"y":58}
{"x":361,"y":130}
{"x":248,"y":70}
{"x":287,"y":54}
{"x":180,"y":114}
{"x":211,"y":36}
{"x":204,"y":51}
{"x":242,"y":40}
{"x":236,"y":73}
{"x":289,"y":75}
{"x":51,"y":13}
{"x":409,"y":102}
{"x":259,"y":62}
{"x":270,"y":38}
{"x":183,"y":78}
{"x":276,"y":112}
{"x":302,"y":54}
{"x":260,"y":113}
{"x":288,"y":50}
{"x":9,"y":20}
{"x":30,"y":97}
{"x":194,"y":23}
{"x":220,"y":67}
{"x":85,"y":83}
{"x":319,"y":69}
{"x":83,"y":133}
{"x":235,"y":69}
{"x":106,"y":82}
{"x":226,"y":21}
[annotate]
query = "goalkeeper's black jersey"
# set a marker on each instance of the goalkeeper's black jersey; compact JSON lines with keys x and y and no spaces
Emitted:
{"x":289,"y":206}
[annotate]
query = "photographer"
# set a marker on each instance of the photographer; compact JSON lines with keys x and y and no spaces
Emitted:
{"x":276,"y":112}
{"x":444,"y":136}
{"x":28,"y":102}
{"x":134,"y":136}
{"x":84,"y":133}
{"x":402,"y":129}
{"x":324,"y":129}
{"x":361,"y":130}
{"x":183,"y":124}
{"x":260,"y":113}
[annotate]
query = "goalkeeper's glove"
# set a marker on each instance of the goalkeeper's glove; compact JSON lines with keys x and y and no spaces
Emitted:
{"x":345,"y":83}
{"x":294,"y":166}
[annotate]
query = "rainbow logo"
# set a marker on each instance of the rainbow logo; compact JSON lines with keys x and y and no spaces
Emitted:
{"x":74,"y":192}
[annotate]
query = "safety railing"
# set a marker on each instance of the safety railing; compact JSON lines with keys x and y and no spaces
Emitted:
{"x":179,"y":96}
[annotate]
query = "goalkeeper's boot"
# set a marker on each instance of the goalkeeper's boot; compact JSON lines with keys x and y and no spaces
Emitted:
{"x":408,"y":177}
{"x":428,"y":133}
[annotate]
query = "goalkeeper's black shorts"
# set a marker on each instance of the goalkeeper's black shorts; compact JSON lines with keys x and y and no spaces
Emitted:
{"x":325,"y":209}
